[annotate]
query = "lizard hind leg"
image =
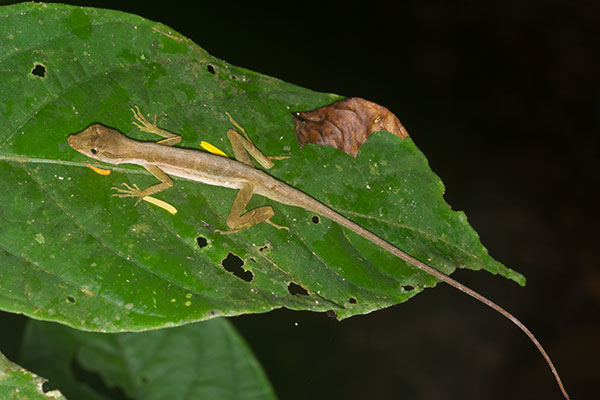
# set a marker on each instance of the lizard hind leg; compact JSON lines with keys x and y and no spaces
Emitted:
{"x":238,"y":220}
{"x":244,"y":149}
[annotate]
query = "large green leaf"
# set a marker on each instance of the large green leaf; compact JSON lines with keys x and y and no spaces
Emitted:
{"x":18,"y":383}
{"x":206,"y":360}
{"x":70,"y":252}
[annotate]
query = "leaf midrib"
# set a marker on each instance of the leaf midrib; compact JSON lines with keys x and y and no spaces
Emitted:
{"x":138,"y":171}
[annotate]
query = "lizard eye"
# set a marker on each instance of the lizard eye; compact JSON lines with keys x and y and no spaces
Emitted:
{"x":94,"y":151}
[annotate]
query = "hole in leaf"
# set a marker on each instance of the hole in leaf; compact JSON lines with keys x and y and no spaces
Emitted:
{"x":202,"y":242}
{"x":315,"y":219}
{"x":46,"y":387}
{"x":331,"y":314}
{"x":39,"y":70}
{"x":234,"y":77}
{"x":210,"y":68}
{"x":94,"y":380}
{"x":352,"y":300}
{"x":71,"y":299}
{"x":408,"y":288}
{"x":297,"y":290}
{"x":263,"y":248}
{"x":233,"y":264}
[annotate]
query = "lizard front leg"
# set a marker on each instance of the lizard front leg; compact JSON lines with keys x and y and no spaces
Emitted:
{"x":135,"y":191}
{"x":146,"y":126}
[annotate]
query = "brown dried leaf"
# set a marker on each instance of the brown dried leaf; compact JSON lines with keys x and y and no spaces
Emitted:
{"x":345,"y":124}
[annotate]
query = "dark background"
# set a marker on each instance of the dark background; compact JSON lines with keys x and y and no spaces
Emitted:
{"x":502,"y":97}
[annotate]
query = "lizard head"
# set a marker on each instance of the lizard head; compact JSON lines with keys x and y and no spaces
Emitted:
{"x":101,"y":143}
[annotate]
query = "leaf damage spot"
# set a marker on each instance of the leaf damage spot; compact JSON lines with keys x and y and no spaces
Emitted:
{"x":297,"y":290}
{"x":202,"y":242}
{"x":345,"y":124}
{"x":210,"y":69}
{"x":39,"y":237}
{"x":352,"y":300}
{"x":315,"y":219}
{"x":87,"y":292}
{"x":48,"y":392}
{"x":233,"y":264}
{"x":408,"y":288}
{"x":39,"y":70}
{"x":71,"y":300}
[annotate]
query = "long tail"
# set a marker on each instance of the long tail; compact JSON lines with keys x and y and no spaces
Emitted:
{"x":328,"y":213}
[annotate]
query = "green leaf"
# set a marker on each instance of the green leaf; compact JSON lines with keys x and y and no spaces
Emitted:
{"x":207,"y":360}
{"x":18,"y":383}
{"x":72,"y":253}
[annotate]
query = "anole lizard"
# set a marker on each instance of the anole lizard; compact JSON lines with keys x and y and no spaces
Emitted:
{"x":161,"y":160}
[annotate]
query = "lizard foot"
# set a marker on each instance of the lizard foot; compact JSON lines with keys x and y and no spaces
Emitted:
{"x":146,"y":126}
{"x":236,"y":230}
{"x":143,"y":124}
{"x":277,"y":226}
{"x":129,"y":192}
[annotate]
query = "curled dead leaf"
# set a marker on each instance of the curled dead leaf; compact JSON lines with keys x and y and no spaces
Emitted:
{"x":345,"y":124}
